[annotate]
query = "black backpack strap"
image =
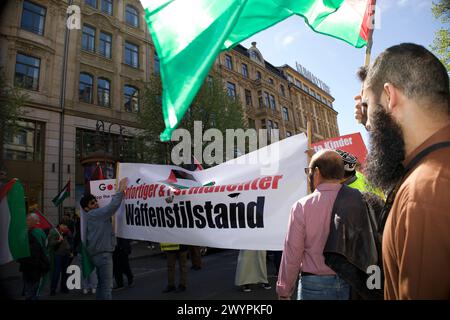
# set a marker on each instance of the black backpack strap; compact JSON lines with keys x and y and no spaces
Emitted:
{"x":422,"y":154}
{"x":391,"y":196}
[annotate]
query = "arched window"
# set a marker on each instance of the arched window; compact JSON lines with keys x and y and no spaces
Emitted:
{"x":103,"y":92}
{"x":131,"y":99}
{"x":131,"y":16}
{"x":85,"y":90}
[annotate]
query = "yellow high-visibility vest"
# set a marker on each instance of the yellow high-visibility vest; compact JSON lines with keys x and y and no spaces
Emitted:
{"x":169,"y":246}
{"x":362,"y":185}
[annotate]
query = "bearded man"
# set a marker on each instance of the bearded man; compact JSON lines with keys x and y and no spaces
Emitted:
{"x":406,"y":94}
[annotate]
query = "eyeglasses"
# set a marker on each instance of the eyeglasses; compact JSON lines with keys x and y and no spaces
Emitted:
{"x":308,"y":170}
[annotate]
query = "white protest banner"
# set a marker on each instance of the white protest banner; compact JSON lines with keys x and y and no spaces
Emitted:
{"x":243,"y":203}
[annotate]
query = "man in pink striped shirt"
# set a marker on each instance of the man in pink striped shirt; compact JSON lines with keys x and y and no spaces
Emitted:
{"x":307,"y":235}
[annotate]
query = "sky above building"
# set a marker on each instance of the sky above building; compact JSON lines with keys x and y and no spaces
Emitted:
{"x":334,"y":61}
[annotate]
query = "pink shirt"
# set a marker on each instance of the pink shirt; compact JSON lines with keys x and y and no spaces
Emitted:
{"x":307,"y":235}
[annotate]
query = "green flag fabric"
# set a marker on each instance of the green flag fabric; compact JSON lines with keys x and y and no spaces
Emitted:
{"x":190,"y":34}
{"x":13,"y":227}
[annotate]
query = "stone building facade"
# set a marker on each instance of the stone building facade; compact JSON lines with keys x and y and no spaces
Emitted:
{"x":80,"y":82}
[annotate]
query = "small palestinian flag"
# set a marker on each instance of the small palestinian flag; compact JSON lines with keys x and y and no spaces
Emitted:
{"x":63,"y":194}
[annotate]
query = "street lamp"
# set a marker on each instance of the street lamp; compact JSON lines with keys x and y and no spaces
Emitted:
{"x":120,"y":139}
{"x":100,"y":160}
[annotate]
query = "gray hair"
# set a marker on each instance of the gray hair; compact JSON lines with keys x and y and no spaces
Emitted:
{"x":34,"y":217}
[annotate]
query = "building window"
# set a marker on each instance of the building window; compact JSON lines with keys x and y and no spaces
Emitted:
{"x":85,"y":90}
{"x":228,"y":62}
{"x":298,"y":83}
{"x":26,"y":143}
{"x":270,"y":80}
{"x":103,"y":92}
{"x":131,"y":97}
{"x":248,"y":97}
{"x":283,"y":93}
{"x":272,"y":104}
{"x":88,"y":38}
{"x":92,"y":3}
{"x":285,"y":114}
{"x":105,"y":44}
{"x":290,"y":79}
{"x":107,"y":7}
{"x":156,"y":63}
{"x":231,"y":90}
{"x":27,"y":72}
{"x":251,"y":123}
{"x":288,"y":134}
{"x":33,"y":18}
{"x":121,"y":147}
{"x":244,"y":70}
{"x":266,"y":99}
{"x":269,"y":127}
{"x":258,"y":75}
{"x":131,"y":16}
{"x":254,"y":56}
{"x":131,"y":54}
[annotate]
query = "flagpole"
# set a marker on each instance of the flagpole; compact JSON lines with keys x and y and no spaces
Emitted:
{"x":368,"y":51}
{"x":309,"y":134}
{"x":117,"y":186}
{"x":370,"y":36}
{"x":117,"y":173}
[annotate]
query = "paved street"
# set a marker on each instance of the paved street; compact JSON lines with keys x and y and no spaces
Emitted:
{"x":214,"y":282}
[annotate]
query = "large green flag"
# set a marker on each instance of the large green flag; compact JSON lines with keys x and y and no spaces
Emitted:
{"x":13,"y":227}
{"x":189,"y":35}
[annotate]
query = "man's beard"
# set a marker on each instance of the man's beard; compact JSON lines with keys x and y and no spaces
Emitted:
{"x":384,"y":165}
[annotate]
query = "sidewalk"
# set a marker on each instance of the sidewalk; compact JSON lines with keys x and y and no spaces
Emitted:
{"x":11,"y":277}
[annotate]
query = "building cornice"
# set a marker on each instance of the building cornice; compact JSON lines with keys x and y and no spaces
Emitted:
{"x":29,"y":43}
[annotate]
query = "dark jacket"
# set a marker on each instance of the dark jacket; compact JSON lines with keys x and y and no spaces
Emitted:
{"x":353,"y":243}
{"x":37,"y":264}
{"x":60,"y":248}
{"x":123,"y":245}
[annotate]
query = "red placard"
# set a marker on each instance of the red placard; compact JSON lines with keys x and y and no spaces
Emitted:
{"x":351,"y":143}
